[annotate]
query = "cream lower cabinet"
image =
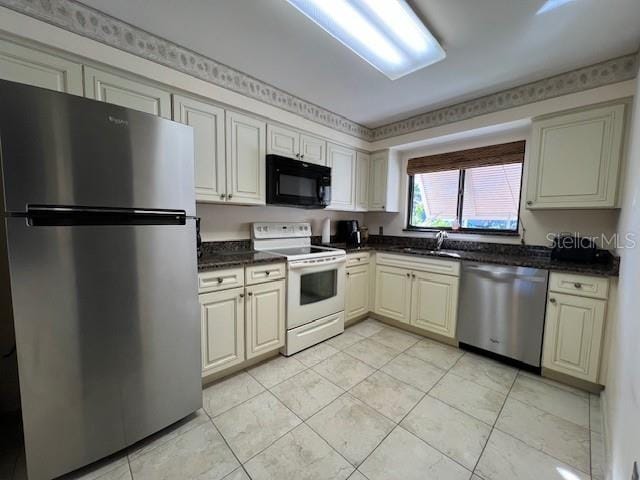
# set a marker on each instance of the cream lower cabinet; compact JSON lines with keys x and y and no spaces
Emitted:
{"x":39,"y":69}
{"x":393,"y":293}
{"x":357,"y":292}
{"x":126,"y":92}
{"x":223,"y":336}
{"x":419,"y":291}
{"x":265,"y":317}
{"x":434,"y":302}
{"x":574,"y":330}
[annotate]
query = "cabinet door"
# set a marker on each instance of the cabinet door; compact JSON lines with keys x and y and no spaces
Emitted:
{"x":357,"y":292}
{"x":575,"y":159}
{"x":362,"y":181}
{"x":246,"y":152}
{"x":208,"y":133}
{"x":573,"y":335}
{"x":434,"y":303}
{"x":282,"y":141}
{"x":313,"y":149}
{"x":343,"y":166}
{"x":393,"y":293}
{"x":265,"y":317}
{"x":33,"y":67}
{"x":128,"y":93}
{"x":378,"y":181}
{"x":222,"y":317}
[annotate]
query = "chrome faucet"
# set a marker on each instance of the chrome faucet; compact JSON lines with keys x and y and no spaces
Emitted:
{"x":440,"y":238}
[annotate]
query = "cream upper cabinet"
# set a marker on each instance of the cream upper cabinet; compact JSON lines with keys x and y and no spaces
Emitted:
{"x":125,"y":92}
{"x":434,"y":303}
{"x":294,"y":144}
{"x":393,"y":293}
{"x":384,"y":182}
{"x":39,"y":69}
{"x":357,"y":292}
{"x":246,"y":169}
{"x":342,"y":161}
{"x":208,"y":130}
{"x":362,"y":181}
{"x":573,"y":335}
{"x":265,"y":317}
{"x":313,"y":149}
{"x":222,"y":318}
{"x":575,"y":159}
{"x":283,"y":141}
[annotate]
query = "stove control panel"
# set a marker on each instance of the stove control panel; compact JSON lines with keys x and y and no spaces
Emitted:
{"x":265,"y":230}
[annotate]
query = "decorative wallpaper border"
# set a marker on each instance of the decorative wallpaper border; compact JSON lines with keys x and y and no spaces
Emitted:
{"x":86,"y":21}
{"x":598,"y":75}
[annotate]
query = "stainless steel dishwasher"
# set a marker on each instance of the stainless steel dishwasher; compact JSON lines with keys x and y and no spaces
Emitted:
{"x":501,"y":309}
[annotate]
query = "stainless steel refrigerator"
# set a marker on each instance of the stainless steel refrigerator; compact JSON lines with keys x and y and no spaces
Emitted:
{"x":99,"y":233}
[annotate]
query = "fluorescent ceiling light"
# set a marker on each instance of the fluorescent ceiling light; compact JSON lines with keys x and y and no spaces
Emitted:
{"x":385,"y":33}
{"x":552,"y":5}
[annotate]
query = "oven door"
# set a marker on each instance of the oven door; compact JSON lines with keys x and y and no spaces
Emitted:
{"x":291,"y":182}
{"x":316,"y":289}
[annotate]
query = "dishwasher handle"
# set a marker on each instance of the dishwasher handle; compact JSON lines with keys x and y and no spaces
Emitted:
{"x":505,"y":275}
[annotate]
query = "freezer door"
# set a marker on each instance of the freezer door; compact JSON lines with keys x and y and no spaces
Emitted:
{"x":60,"y":149}
{"x":108,"y":336}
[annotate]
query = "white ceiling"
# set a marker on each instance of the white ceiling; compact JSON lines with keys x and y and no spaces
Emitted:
{"x":490,"y":45}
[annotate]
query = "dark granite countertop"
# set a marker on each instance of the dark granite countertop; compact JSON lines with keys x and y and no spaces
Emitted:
{"x":217,"y":259}
{"x":535,"y":257}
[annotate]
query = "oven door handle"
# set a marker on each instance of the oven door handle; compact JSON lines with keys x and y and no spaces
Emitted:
{"x":335,"y":261}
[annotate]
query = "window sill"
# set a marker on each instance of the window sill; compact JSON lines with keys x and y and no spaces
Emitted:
{"x":488,"y":233}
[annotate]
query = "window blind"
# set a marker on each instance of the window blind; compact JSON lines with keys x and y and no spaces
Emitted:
{"x":502,"y":154}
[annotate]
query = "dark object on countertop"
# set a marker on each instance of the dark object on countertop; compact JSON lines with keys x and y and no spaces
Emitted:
{"x":198,"y":238}
{"x":348,"y":231}
{"x":572,"y":248}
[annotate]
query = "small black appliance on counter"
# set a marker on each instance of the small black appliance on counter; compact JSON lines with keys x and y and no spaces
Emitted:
{"x":348,"y":231}
{"x":573,"y":248}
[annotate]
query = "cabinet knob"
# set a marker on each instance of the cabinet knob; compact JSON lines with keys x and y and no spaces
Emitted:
{"x":408,"y":275}
{"x":413,"y":275}
{"x":242,"y":295}
{"x":552,"y":300}
{"x":382,"y":207}
{"x":249,"y":293}
{"x":267,"y":273}
{"x":220,"y":279}
{"x":529,"y":202}
{"x":577,"y":285}
{"x":223,"y":195}
{"x":229,"y":196}
{"x":348,"y":273}
{"x":302,"y":156}
{"x":297,"y":155}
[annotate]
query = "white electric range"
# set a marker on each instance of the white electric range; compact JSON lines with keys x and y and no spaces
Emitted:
{"x":315,"y":282}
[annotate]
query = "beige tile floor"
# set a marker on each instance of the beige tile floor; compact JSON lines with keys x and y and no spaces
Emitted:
{"x":373,"y":403}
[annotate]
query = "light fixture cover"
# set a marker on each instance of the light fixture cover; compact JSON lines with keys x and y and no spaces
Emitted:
{"x":385,"y":33}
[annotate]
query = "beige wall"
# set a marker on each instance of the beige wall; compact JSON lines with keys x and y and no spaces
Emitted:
{"x":538,"y":224}
{"x":622,"y":395}
{"x":226,"y":222}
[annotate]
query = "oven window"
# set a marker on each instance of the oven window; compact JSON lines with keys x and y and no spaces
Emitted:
{"x":315,"y":287}
{"x":297,"y":186}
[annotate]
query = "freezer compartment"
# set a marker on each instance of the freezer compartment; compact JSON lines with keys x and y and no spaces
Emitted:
{"x":108,"y":336}
{"x":60,"y":149}
{"x":502,"y":308}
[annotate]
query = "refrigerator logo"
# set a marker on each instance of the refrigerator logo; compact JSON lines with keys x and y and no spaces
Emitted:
{"x":119,"y":121}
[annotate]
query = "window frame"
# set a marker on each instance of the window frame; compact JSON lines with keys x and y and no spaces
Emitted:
{"x":474,"y":231}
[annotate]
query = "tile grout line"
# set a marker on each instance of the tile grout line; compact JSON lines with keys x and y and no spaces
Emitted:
{"x":493,"y":427}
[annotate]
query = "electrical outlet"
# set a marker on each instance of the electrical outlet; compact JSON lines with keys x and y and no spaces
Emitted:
{"x":634,"y":474}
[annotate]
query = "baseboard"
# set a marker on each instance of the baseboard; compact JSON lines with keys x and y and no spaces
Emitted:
{"x":605,"y":434}
{"x":353,"y":321}
{"x":571,"y":381}
{"x":410,"y":328}
{"x":214,"y":377}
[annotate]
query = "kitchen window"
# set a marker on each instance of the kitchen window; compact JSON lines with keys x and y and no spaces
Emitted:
{"x":476,"y":190}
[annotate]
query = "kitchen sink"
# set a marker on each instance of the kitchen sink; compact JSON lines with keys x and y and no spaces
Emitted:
{"x":426,"y":251}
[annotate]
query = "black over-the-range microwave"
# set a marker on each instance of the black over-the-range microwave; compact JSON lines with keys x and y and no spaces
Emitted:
{"x":297,"y":184}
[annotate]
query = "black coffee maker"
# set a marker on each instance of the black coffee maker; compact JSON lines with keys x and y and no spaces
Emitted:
{"x":348,"y":231}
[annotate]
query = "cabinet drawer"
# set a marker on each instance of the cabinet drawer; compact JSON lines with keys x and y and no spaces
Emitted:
{"x":354,"y":259}
{"x":265,"y":273}
{"x":585,"y":286}
{"x":220,"y":280}
{"x":420,"y":263}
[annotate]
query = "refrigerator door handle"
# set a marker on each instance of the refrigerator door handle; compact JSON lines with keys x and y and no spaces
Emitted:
{"x":50,"y":215}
